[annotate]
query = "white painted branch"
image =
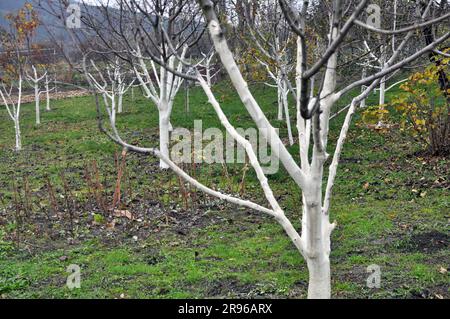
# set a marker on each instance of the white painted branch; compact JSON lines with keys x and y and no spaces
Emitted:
{"x":302,"y":124}
{"x":250,"y":103}
{"x":13,"y":109}
{"x":394,"y":85}
{"x":286,"y":112}
{"x":34,"y":79}
{"x":253,"y":159}
{"x":47,"y":92}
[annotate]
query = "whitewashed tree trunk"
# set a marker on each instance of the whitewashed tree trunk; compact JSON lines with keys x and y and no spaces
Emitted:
{"x":47,"y":93}
{"x":316,"y":235}
{"x":319,"y":286}
{"x":120,"y":103}
{"x":164,"y":132}
{"x":13,"y":109}
{"x":37,"y":103}
{"x":122,"y":88}
{"x":18,"y":134}
{"x":186,"y":97}
{"x":285,"y":104}
{"x":382,"y":91}
{"x":113,"y":108}
{"x":34,"y":81}
{"x":162,"y":91}
{"x":382,"y":83}
{"x":383,"y":59}
{"x":280,"y":101}
{"x":318,"y":227}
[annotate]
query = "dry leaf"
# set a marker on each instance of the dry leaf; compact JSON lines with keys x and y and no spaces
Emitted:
{"x":442,"y":270}
{"x":123,"y":213}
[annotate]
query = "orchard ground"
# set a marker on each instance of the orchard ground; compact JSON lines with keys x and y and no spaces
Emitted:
{"x":166,"y":240}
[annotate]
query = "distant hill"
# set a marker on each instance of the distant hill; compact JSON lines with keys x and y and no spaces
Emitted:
{"x":10,"y":6}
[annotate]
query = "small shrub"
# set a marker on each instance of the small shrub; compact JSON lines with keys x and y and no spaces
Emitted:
{"x":424,"y":109}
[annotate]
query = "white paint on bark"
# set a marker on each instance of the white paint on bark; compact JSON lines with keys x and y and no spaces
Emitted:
{"x":34,"y":80}
{"x":13,"y":109}
{"x":161,"y":89}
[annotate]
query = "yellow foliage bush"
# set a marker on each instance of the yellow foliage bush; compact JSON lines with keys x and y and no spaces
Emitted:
{"x":424,"y":108}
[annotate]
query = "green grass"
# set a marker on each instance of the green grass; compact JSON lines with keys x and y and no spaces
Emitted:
{"x":382,"y":199}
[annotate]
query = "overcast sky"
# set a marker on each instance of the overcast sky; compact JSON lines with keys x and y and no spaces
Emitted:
{"x":95,"y":2}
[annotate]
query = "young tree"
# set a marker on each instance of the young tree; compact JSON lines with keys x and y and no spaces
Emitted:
{"x":162,"y":91}
{"x":210,"y":70}
{"x":111,"y":84}
{"x":270,"y":36}
{"x":153,"y":37}
{"x":41,"y":58}
{"x":123,"y":86}
{"x":13,"y":106}
{"x":384,"y":45}
{"x":22,"y":26}
{"x":47,"y":91}
{"x":34,"y":81}
{"x":150,"y":37}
